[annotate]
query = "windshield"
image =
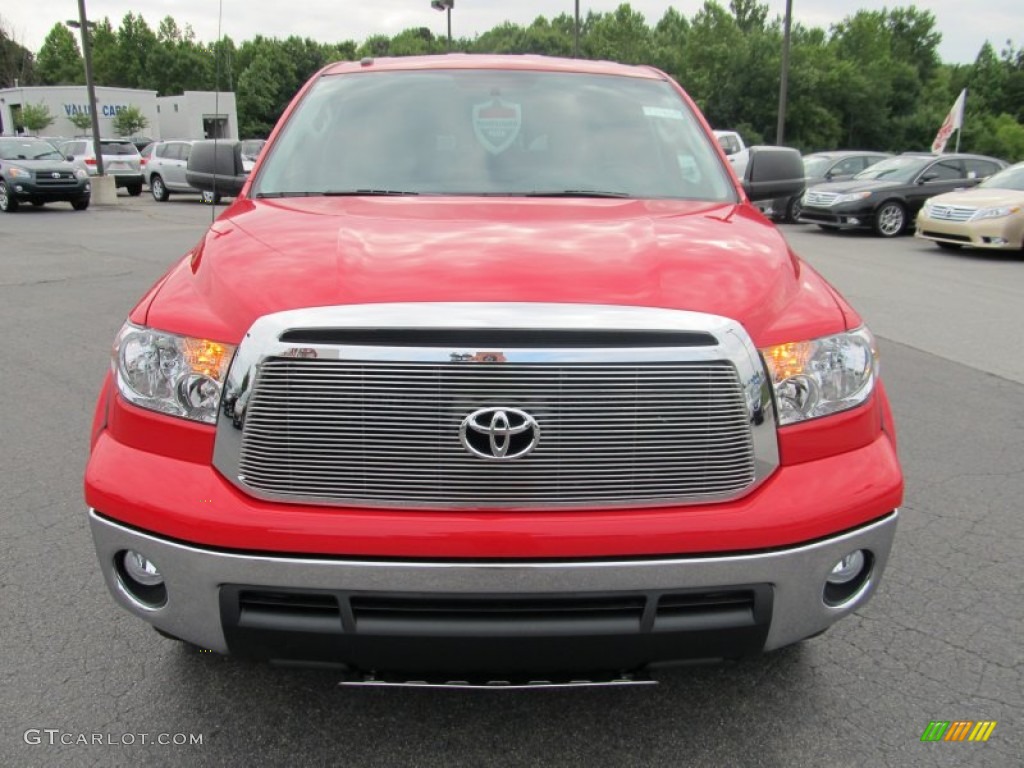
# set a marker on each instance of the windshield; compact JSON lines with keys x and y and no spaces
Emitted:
{"x":895,"y":169}
{"x":1010,"y":178}
{"x":816,"y":166}
{"x":29,"y":150}
{"x":491,"y":132}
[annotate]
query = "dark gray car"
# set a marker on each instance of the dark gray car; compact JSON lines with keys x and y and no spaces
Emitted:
{"x":839,"y":165}
{"x":34,"y":171}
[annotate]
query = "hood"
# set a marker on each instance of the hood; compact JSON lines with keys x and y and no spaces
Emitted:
{"x":980,"y":198}
{"x":267,"y":256}
{"x":856,"y":185}
{"x":41,"y":166}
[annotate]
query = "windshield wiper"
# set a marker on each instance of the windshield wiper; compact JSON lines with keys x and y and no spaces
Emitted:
{"x":577,"y":193}
{"x":366,"y":192}
{"x":336,"y":193}
{"x":285,"y":194}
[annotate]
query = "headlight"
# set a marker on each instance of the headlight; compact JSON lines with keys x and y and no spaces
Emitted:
{"x":995,"y":213}
{"x":177,"y":375}
{"x":81,"y":174}
{"x":19,"y":173}
{"x":851,"y":197}
{"x":823,"y":376}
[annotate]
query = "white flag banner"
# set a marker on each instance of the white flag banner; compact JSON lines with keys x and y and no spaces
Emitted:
{"x":954,"y":121}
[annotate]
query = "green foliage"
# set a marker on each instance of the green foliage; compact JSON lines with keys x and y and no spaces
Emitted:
{"x":16,"y":61}
{"x":82,"y":121}
{"x":129,"y":121}
{"x":35,"y":117}
{"x":874,"y":80}
{"x":59,"y":61}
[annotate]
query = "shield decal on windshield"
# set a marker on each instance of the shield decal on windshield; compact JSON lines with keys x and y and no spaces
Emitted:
{"x":496,"y":125}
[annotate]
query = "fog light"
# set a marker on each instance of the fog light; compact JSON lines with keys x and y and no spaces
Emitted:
{"x":141,"y":569}
{"x":847,"y":569}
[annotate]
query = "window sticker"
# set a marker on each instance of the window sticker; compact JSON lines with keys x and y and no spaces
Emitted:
{"x":667,"y":114}
{"x":496,"y":124}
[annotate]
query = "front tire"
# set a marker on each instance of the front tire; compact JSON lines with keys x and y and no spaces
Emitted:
{"x":890,"y":220}
{"x":159,"y":189}
{"x":80,"y":204}
{"x":135,"y":190}
{"x":7,"y":202}
{"x":794,"y":209}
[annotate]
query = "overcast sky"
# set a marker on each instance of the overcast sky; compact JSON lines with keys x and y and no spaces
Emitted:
{"x":964,"y":25}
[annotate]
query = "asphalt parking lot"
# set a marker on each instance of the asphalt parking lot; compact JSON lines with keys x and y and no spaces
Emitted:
{"x":942,"y":640}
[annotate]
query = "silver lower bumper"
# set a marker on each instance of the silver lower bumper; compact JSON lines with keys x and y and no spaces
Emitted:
{"x":194,"y":575}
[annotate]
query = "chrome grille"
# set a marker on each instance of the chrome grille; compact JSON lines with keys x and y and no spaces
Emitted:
{"x":824,"y":199}
{"x":62,"y":179}
{"x":951,"y":212}
{"x":387,"y":433}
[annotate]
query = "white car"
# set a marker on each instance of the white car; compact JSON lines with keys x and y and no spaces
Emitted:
{"x":165,"y":169}
{"x":120,"y":160}
{"x":734,"y":148}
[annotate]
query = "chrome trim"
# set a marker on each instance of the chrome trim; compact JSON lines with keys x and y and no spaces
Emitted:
{"x":499,"y":431}
{"x":262,"y":342}
{"x":823,"y":199}
{"x":193,"y":576}
{"x":496,"y":685}
{"x":944,"y":212}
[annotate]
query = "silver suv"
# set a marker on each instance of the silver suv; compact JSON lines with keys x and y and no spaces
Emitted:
{"x":165,"y":169}
{"x":120,"y":160}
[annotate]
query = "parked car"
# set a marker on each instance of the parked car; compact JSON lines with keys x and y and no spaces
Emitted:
{"x":34,"y":171}
{"x":821,"y":167}
{"x":887,"y":196}
{"x":120,"y":160}
{"x":217,"y":169}
{"x":165,"y":169}
{"x":140,"y":142}
{"x":989,"y":216}
{"x":491,"y":372}
{"x":735,"y":149}
{"x":251,"y":149}
{"x":144,"y":154}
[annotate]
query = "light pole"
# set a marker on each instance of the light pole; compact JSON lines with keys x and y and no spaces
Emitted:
{"x":83,"y":23}
{"x":780,"y":131}
{"x":576,"y":33}
{"x":445,"y":5}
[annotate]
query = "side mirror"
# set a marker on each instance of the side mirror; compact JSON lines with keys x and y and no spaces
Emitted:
{"x":773,"y":172}
{"x":70,"y":158}
{"x":928,"y":177}
{"x":216,"y":167}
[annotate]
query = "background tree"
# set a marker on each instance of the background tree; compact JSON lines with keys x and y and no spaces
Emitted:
{"x":36,"y":117}
{"x":129,"y":121}
{"x":82,"y":121}
{"x":874,"y":80}
{"x":16,"y":61}
{"x":60,"y":61}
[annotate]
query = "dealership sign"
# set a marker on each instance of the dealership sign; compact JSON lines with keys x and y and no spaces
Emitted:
{"x":107,"y":110}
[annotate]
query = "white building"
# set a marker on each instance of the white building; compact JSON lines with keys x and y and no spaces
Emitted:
{"x":198,"y":115}
{"x":193,"y":115}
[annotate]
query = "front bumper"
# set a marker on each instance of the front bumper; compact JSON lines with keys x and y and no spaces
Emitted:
{"x":204,"y":587}
{"x":1006,"y":233}
{"x":32,"y":190}
{"x":845,"y":216}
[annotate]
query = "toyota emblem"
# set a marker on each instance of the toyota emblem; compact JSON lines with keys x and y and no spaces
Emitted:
{"x":499,"y":433}
{"x":55,"y":175}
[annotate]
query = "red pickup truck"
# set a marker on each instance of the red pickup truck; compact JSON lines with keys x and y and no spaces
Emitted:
{"x":492,"y":371}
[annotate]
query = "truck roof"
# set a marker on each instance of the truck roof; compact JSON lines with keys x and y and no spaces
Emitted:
{"x":493,"y":61}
